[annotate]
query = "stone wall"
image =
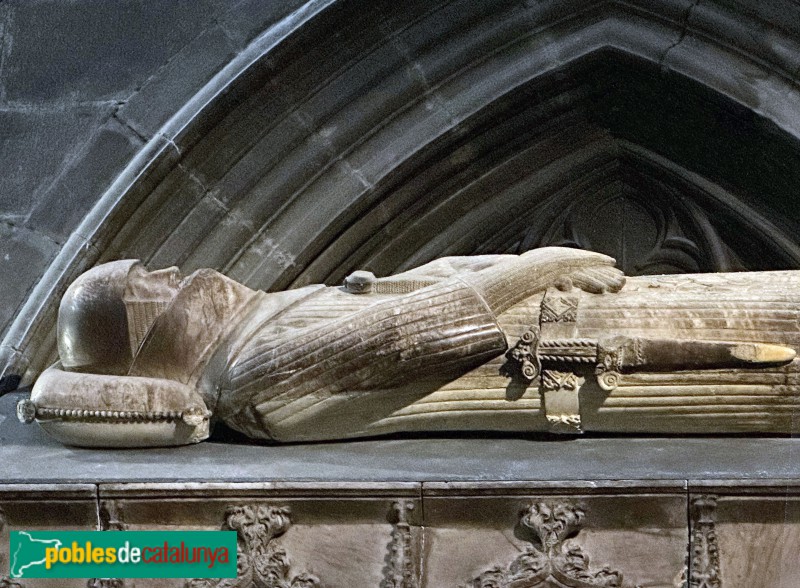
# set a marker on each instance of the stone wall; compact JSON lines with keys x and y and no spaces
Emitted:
{"x":83,"y":87}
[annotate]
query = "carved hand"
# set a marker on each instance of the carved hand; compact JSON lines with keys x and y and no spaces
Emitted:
{"x":598,"y":280}
{"x":508,"y":283}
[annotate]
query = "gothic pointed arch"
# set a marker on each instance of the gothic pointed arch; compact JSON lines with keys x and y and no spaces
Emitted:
{"x":359,"y":134}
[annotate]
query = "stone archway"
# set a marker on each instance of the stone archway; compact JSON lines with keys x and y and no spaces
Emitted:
{"x":363,"y":134}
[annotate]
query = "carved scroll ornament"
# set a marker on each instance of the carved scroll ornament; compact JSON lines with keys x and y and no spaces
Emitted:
{"x":704,"y":562}
{"x":261,"y":562}
{"x":550,"y":562}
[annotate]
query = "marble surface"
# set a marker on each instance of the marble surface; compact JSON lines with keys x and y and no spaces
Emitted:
{"x":27,"y":455}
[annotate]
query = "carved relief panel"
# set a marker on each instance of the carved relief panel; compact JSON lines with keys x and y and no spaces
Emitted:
{"x":522,"y":536}
{"x":550,"y":561}
{"x":261,"y":563}
{"x":467,"y":535}
{"x":303,"y":536}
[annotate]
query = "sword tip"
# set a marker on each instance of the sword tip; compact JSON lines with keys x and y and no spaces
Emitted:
{"x":763,"y":353}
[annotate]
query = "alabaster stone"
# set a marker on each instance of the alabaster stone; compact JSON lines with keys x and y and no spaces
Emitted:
{"x":551,"y":340}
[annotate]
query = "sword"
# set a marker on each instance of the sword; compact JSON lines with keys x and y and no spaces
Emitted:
{"x":618,"y":355}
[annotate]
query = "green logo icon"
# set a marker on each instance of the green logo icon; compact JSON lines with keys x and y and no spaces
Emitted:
{"x":28,"y":552}
{"x":123,"y":554}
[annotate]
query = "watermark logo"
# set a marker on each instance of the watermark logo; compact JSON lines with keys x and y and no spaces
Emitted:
{"x":122,"y":554}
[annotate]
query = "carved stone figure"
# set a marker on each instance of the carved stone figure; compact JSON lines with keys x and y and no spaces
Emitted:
{"x":546,"y":341}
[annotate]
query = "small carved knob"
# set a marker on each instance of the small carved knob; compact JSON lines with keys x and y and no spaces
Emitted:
{"x":194,"y":416}
{"x":609,"y":381}
{"x":26,"y":411}
{"x":359,"y":282}
{"x":529,"y":370}
{"x":564,"y":284}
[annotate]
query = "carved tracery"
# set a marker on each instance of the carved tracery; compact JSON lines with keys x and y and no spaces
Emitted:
{"x":654,"y":231}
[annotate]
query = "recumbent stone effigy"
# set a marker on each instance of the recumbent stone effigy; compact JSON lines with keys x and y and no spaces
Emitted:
{"x":552,"y":340}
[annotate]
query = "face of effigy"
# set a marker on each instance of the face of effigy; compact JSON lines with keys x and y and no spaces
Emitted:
{"x":106,"y":312}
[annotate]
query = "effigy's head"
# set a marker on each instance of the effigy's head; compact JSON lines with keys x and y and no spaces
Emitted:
{"x":103,"y":319}
{"x":105,"y":314}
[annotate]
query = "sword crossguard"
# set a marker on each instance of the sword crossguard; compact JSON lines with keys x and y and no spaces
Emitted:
{"x":526,"y":355}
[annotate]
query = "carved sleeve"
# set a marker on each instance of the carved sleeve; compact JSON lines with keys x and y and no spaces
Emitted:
{"x":293,"y":388}
{"x":277,"y":387}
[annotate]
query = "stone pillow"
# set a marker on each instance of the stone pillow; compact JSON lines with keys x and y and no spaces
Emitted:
{"x":90,"y":410}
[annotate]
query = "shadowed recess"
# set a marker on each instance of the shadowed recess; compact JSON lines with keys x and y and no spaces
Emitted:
{"x":668,"y":170}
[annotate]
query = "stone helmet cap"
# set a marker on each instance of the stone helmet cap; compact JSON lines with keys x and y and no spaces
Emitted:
{"x":106,"y":312}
